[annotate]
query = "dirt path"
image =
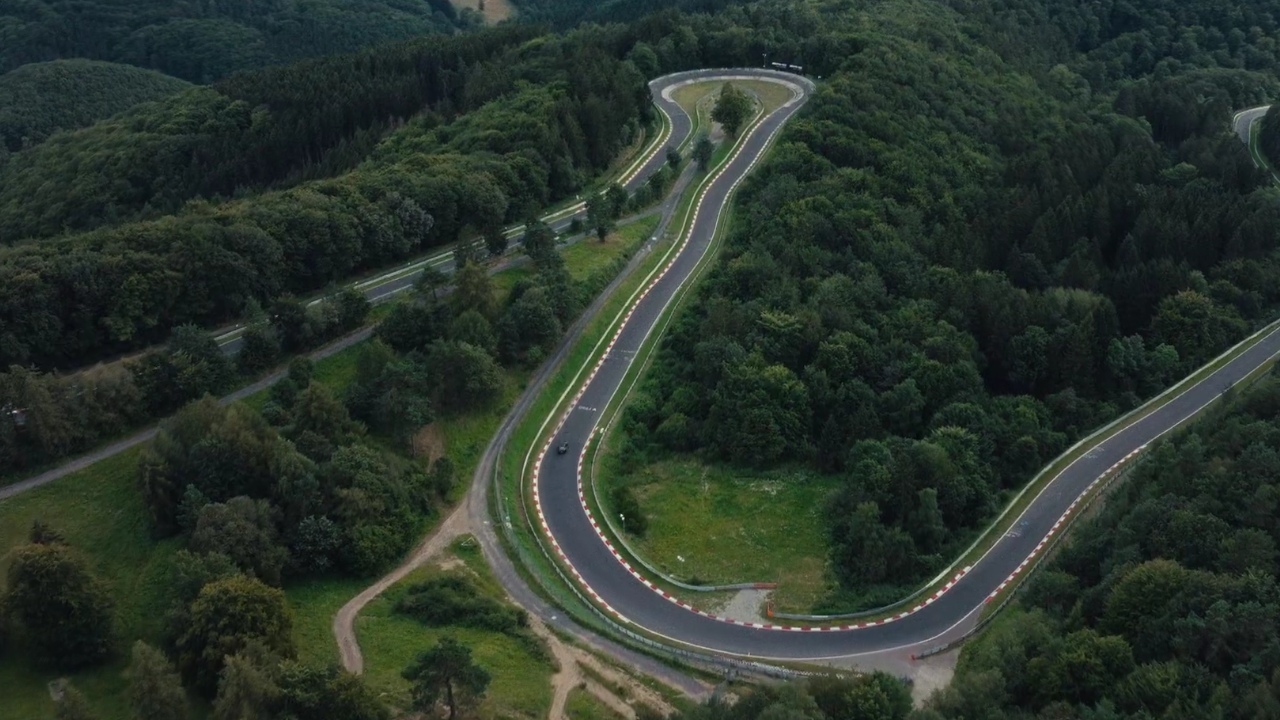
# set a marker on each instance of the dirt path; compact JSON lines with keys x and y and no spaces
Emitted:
{"x":569,"y":676}
{"x":458,"y":523}
{"x":629,"y":691}
{"x":624,"y":690}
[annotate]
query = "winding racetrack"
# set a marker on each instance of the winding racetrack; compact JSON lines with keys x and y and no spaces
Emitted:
{"x":569,"y":529}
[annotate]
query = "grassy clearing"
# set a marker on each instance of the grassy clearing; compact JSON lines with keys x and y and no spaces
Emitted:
{"x":771,"y":95}
{"x":337,"y":372}
{"x":582,"y":705}
{"x":732,"y":527}
{"x":494,"y":11}
{"x":101,"y":514}
{"x":466,"y":436}
{"x":315,"y":603}
{"x":690,"y":95}
{"x":588,"y":255}
{"x":521,"y":679}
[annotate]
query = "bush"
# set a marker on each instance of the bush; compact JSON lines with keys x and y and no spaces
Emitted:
{"x":453,"y":599}
{"x":628,"y":508}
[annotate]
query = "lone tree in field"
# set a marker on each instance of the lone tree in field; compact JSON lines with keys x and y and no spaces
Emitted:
{"x":446,"y":669}
{"x":732,"y":108}
{"x":227,"y":616}
{"x":702,"y":152}
{"x":600,"y":215}
{"x":539,"y":242}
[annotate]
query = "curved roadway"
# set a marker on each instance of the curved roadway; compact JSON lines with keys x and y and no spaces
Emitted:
{"x":617,"y":588}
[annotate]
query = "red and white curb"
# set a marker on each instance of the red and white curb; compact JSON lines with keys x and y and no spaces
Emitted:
{"x":1060,"y":522}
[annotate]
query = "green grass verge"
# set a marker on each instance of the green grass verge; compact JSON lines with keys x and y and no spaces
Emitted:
{"x":588,"y":255}
{"x":509,"y":506}
{"x":521,"y":679}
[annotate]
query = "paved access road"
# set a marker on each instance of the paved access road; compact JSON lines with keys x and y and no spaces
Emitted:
{"x":634,"y":601}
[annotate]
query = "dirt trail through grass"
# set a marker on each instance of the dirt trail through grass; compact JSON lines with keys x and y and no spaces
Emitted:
{"x":624,"y":690}
{"x":458,"y":523}
{"x":573,"y":660}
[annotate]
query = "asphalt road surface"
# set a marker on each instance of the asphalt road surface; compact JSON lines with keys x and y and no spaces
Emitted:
{"x":636,"y":602}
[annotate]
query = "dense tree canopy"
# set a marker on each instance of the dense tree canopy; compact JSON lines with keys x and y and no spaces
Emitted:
{"x":226,"y":618}
{"x":202,"y":42}
{"x":525,"y":123}
{"x":40,"y":99}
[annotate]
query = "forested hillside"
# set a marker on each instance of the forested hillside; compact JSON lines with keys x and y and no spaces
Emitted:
{"x":1166,"y":605}
{"x":203,"y":42}
{"x":958,"y":260}
{"x":567,"y":13}
{"x":243,"y":134}
{"x":39,"y":99}
{"x":476,"y":131}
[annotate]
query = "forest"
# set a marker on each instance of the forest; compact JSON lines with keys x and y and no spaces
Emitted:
{"x":413,"y":154}
{"x":39,"y":99}
{"x":934,"y":287}
{"x":202,"y":42}
{"x":1165,"y":604}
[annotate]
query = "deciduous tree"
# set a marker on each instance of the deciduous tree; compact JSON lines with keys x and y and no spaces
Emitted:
{"x":226,"y":617}
{"x":702,"y":152}
{"x":732,"y":108}
{"x":65,"y":613}
{"x":155,"y":690}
